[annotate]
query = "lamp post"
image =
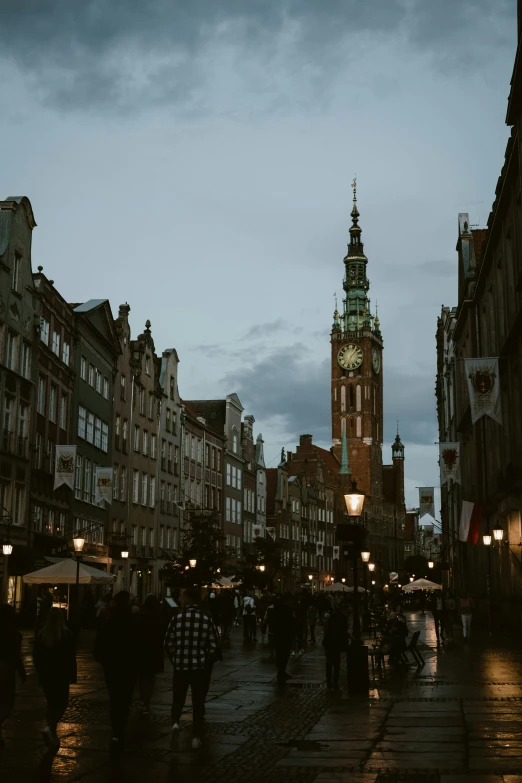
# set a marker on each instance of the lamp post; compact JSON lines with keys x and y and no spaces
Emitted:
{"x":79,"y":543}
{"x":354,"y":505}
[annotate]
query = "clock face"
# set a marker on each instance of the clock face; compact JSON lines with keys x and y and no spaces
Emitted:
{"x":376,"y":361}
{"x":350,"y":357}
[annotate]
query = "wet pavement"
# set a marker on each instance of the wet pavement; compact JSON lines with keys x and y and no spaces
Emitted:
{"x":456,"y":719}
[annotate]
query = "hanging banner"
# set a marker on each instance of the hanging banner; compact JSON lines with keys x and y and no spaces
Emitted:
{"x":484,"y":388}
{"x":271,"y":532}
{"x":335,"y":553}
{"x":449,"y":461}
{"x":64,"y":465}
{"x":470,"y":522}
{"x":319,"y":549}
{"x":426,"y":502}
{"x":103,"y":485}
{"x":258,"y":531}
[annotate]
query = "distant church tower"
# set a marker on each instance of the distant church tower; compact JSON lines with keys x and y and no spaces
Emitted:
{"x":357,"y":387}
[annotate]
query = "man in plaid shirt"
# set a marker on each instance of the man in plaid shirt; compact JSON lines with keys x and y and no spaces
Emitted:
{"x":192,"y":645}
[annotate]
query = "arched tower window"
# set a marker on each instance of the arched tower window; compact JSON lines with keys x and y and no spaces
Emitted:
{"x":359,"y":427}
{"x":358,"y":397}
{"x":343,"y":398}
{"x":351,"y":398}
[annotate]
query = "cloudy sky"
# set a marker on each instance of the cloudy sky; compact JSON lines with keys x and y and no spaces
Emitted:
{"x":194,"y":157}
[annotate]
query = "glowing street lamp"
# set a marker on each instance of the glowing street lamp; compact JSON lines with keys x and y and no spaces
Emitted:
{"x":124,"y":554}
{"x":7,"y":548}
{"x":486,"y":539}
{"x":431,"y":564}
{"x":79,"y":543}
{"x":365,"y":556}
{"x":192,"y":563}
{"x":498,"y":533}
{"x":371,"y":566}
{"x":354,"y":501}
{"x":343,"y":580}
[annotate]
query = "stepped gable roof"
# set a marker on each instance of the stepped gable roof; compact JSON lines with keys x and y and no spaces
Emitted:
{"x":213,"y":411}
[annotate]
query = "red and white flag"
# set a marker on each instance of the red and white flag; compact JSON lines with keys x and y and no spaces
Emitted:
{"x":470,"y":522}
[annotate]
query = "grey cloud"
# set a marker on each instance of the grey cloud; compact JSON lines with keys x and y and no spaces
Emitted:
{"x":287,"y":385}
{"x":272,"y":327}
{"x":129,"y":54}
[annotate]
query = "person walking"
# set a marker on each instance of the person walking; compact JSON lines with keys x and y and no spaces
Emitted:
{"x":335,"y":641}
{"x":116,"y":649}
{"x":238,"y":606}
{"x":466,"y":607}
{"x":192,"y":645}
{"x":11,"y":663}
{"x":449,"y":615}
{"x":249,"y":619}
{"x":54,"y":659}
{"x":228,"y":614}
{"x":437,"y":610}
{"x":150,"y":634}
{"x":311,"y":616}
{"x":283,"y":623}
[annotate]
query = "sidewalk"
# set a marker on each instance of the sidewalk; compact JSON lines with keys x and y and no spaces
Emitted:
{"x":457,"y":719}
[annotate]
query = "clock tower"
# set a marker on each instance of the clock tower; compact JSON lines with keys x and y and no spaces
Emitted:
{"x":357,"y":390}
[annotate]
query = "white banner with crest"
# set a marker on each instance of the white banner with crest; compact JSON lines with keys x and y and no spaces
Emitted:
{"x":258,"y":531}
{"x":103,"y":485}
{"x":64,"y":466}
{"x":449,"y":460}
{"x":484,"y":388}
{"x":426,"y":501}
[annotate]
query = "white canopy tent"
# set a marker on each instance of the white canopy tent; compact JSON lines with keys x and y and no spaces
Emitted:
{"x":339,"y":587}
{"x":64,"y":573}
{"x":422,"y":584}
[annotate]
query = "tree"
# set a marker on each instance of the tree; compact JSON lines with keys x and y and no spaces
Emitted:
{"x":261,"y":552}
{"x":204,"y":542}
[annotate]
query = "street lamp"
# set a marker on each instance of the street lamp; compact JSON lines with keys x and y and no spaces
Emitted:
{"x":262,"y":568}
{"x":343,"y":580}
{"x":371,"y":567}
{"x":498,"y":533}
{"x":124,"y":554}
{"x":192,"y":563}
{"x":354,"y":505}
{"x":431,"y":564}
{"x":411,"y":579}
{"x":310,"y":577}
{"x":486,"y":539}
{"x":79,"y":543}
{"x":365,"y":556}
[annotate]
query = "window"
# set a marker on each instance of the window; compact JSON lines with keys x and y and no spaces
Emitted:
{"x":239,"y":478}
{"x":144,"y":488}
{"x":227,"y":509}
{"x":12,"y":350}
{"x":136,"y":486}
{"x":15,"y":280}
{"x":172,"y":387}
{"x":106,"y":388}
{"x":82,"y":417}
{"x":136,"y":438}
{"x":117,"y":425}
{"x":63,"y":412}
{"x":83,"y":368}
{"x":144,"y":536}
{"x":66,"y":353}
{"x":99,"y":381}
{"x":162,"y":537}
{"x":87,"y":480}
{"x":145,"y":442}
{"x":174,"y":422}
{"x":123,"y":482}
{"x":104,"y":437}
{"x":97,"y":432}
{"x":151,"y":406}
{"x":90,"y":427}
{"x":135,"y":535}
{"x":187,"y":446}
{"x":229,"y":471}
{"x":238,"y":510}
{"x":25,"y":369}
{"x":78,"y":477}
{"x":152,"y":493}
{"x":44,"y":330}
{"x":18,"y":505}
{"x":22,"y":420}
{"x":92,"y":374}
{"x":56,"y":343}
{"x":151,"y":537}
{"x":41,"y":395}
{"x":153,"y":441}
{"x":219,"y":461}
{"x":234,"y":442}
{"x":233,"y":509}
{"x":147,"y":365}
{"x":213,"y":459}
{"x":115,"y":482}
{"x":123,"y":387}
{"x":200,"y":450}
{"x":167,"y":419}
{"x":193,"y":447}
{"x":142,"y":401}
{"x":52,"y":403}
{"x":39,"y":451}
{"x":168,"y":537}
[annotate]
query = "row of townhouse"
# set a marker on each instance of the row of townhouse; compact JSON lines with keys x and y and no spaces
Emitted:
{"x":71,"y":374}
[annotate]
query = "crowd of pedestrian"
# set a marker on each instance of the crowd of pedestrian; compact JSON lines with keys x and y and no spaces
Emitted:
{"x":132,"y":640}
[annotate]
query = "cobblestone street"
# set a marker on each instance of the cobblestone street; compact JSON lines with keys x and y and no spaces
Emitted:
{"x":456,"y":719}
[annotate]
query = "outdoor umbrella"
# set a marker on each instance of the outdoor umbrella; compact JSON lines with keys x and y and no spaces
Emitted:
{"x":64,"y":573}
{"x":338,"y":587}
{"x":422,"y":584}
